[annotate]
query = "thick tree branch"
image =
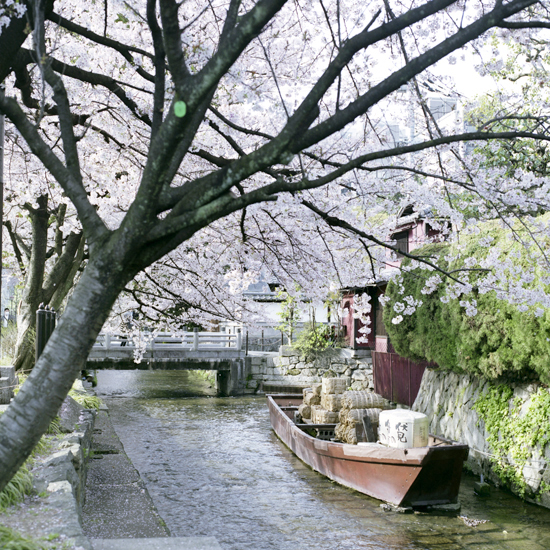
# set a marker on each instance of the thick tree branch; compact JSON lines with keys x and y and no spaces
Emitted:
{"x":62,"y":267}
{"x":156,"y":33}
{"x":92,"y":223}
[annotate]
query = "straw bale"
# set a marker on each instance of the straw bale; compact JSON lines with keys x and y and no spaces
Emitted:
{"x":339,"y":431}
{"x":312,"y":399}
{"x":322,"y":416}
{"x":354,"y":416}
{"x":334,"y":385}
{"x":345,"y":433}
{"x":304,"y":410}
{"x":331,"y":401}
{"x":305,"y":391}
{"x":363,"y":400}
{"x":316,"y":388}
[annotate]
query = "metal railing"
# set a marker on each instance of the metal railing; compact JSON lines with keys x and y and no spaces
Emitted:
{"x":194,"y":341}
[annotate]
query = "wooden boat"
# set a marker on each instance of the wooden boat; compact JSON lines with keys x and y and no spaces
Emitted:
{"x":416,"y":477}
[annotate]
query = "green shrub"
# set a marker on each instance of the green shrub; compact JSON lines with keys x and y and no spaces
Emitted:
{"x":499,"y":340}
{"x":314,"y":339}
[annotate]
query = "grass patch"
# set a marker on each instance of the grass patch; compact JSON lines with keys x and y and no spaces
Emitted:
{"x":12,"y":540}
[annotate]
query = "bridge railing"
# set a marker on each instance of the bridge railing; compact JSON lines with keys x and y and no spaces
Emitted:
{"x":194,"y":341}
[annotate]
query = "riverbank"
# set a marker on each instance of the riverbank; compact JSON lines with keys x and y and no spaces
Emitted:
{"x":505,"y":426}
{"x":50,"y":517}
{"x":88,"y":495}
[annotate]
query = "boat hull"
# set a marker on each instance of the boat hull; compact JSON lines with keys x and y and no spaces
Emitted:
{"x":417,"y":477}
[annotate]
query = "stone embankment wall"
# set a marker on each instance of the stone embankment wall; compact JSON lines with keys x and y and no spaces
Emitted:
{"x":288,"y":368}
{"x":59,"y":479}
{"x":451,"y":400}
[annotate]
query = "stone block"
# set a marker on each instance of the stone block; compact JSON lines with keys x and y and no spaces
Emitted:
{"x":286,"y":351}
{"x":6,"y":392}
{"x":69,"y":415}
{"x":339,"y":368}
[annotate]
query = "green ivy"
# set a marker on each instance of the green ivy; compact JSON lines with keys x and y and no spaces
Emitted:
{"x":512,"y":437}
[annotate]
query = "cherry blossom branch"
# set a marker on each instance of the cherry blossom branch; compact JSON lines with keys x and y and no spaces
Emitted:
{"x":92,"y":223}
{"x":332,"y":221}
{"x":199,"y":194}
{"x":403,"y":75}
{"x":123,"y":49}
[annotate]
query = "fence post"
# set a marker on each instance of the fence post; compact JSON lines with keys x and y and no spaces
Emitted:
{"x":262,"y":341}
{"x":195,"y":339}
{"x":246,"y":343}
{"x":239,"y":340}
{"x":45,"y":325}
{"x":40,"y":331}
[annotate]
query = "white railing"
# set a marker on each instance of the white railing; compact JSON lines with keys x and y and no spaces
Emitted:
{"x":194,"y":341}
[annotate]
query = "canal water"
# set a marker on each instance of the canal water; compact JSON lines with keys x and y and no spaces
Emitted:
{"x":214,"y":467}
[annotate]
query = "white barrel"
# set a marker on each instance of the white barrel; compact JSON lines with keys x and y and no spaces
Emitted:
{"x":403,"y":429}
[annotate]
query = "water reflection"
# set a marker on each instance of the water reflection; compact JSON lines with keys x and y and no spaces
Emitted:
{"x":214,"y":467}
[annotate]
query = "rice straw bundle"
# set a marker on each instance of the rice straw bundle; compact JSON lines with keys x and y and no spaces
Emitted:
{"x":311,"y":399}
{"x":363,"y":400}
{"x":304,"y":410}
{"x":331,"y":401}
{"x":322,"y":416}
{"x":334,"y":385}
{"x":355,"y":416}
{"x":346,"y":433}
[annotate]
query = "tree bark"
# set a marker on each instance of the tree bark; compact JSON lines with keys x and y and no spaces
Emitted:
{"x":32,"y":295}
{"x":64,"y":356}
{"x":50,"y":289}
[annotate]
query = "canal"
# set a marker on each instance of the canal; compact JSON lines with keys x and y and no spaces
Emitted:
{"x":214,"y":467}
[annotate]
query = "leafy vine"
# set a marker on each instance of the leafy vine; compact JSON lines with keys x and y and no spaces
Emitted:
{"x":513,"y":433}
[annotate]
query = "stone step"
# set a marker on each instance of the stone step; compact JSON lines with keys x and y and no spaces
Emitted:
{"x":166,"y":543}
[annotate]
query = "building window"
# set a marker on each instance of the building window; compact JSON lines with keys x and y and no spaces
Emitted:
{"x":401,"y":242}
{"x":380,"y":327}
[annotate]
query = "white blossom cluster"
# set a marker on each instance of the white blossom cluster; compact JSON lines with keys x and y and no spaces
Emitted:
{"x":11,"y":9}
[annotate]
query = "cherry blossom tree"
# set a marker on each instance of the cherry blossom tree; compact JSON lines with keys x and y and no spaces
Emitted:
{"x":184,"y":131}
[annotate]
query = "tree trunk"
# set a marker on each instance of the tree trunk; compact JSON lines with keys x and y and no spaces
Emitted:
{"x":32,"y":296}
{"x":41,"y":396}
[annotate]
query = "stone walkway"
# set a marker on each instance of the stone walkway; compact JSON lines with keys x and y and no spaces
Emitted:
{"x":118,"y":512}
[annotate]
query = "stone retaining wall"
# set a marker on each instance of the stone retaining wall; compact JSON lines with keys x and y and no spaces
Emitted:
{"x":288,"y":368}
{"x":59,"y":478}
{"x":8,"y":381}
{"x":449,"y":399}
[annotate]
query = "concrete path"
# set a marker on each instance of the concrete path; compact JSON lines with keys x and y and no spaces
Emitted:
{"x":118,"y":513}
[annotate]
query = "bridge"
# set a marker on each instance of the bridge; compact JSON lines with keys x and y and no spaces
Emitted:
{"x":219,"y":351}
